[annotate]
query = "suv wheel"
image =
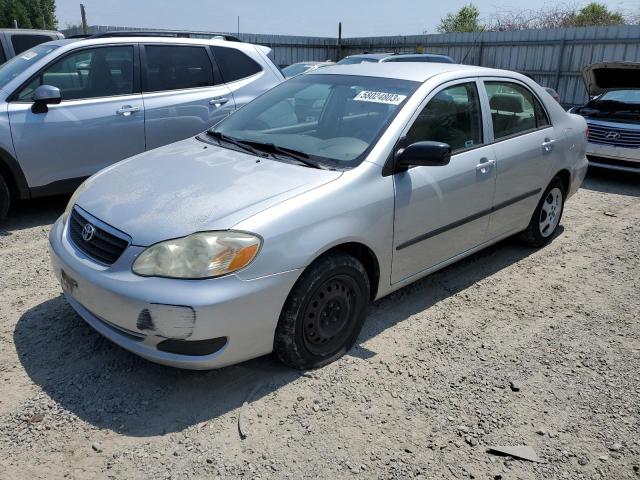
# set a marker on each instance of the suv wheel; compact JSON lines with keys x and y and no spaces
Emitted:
{"x":324,"y":312}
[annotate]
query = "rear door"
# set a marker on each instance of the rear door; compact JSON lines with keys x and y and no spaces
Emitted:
{"x":442,"y":211}
{"x":183,"y":92}
{"x":525,"y":143}
{"x":99,"y":121}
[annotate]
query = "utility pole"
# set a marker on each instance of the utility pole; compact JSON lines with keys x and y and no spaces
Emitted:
{"x":238,"y":25}
{"x":83,"y":14}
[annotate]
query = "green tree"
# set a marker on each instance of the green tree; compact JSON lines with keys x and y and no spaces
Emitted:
{"x":597,"y":14}
{"x":467,"y":19}
{"x":28,"y":14}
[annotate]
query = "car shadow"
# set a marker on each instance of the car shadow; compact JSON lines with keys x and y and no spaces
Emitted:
{"x":111,"y":388}
{"x":33,"y":213}
{"x":612,"y":181}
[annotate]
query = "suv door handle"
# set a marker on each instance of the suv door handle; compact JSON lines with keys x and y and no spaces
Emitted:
{"x":218,"y":101}
{"x":485,"y":166}
{"x":127,"y":110}
{"x":547,"y":145}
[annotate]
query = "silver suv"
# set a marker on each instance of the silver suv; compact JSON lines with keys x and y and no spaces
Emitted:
{"x":69,"y":108}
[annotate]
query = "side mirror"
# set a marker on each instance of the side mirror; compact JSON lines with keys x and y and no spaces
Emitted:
{"x":424,"y":154}
{"x":45,"y":95}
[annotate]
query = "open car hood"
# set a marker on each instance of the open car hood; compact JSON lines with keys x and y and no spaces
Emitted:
{"x":603,"y":76}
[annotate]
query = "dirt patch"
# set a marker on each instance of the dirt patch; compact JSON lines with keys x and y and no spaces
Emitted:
{"x":511,"y":346}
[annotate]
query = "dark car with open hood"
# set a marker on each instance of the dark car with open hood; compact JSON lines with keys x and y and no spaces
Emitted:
{"x":613,"y":115}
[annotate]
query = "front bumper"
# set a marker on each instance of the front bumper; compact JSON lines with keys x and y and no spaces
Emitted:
{"x":113,"y":301}
{"x":614,"y":157}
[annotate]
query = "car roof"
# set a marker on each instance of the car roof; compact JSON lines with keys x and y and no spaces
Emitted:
{"x":417,"y":72}
{"x":370,"y":55}
{"x":411,"y":55}
{"x":145,"y":39}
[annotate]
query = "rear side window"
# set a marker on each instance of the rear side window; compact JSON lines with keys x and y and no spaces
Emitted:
{"x":234,"y":64}
{"x":452,"y":116}
{"x":514,"y":109}
{"x":171,"y":67}
{"x":25,"y":42}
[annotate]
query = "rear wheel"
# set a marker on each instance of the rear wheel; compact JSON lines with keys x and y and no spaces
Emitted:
{"x":324,"y":312}
{"x":547,"y":215}
{"x":5,"y":198}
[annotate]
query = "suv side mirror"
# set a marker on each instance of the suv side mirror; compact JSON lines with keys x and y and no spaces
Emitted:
{"x":45,"y":95}
{"x":425,"y":154}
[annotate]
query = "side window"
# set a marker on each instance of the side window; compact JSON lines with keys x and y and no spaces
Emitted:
{"x":541,"y":115}
{"x":25,"y":42}
{"x":3,"y":58}
{"x":234,"y":64}
{"x":453,"y":116}
{"x":92,"y":73}
{"x":514,"y":109}
{"x":176,"y":67}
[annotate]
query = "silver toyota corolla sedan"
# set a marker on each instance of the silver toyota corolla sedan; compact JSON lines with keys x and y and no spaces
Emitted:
{"x":274,"y":230}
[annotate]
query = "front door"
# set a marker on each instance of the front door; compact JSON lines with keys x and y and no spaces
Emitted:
{"x":99,"y":121}
{"x":183,"y":93}
{"x":443,"y":211}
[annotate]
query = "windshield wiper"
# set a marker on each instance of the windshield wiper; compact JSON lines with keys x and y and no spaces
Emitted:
{"x":233,"y":141}
{"x":287,"y":152}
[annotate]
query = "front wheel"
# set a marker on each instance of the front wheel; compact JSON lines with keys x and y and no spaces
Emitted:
{"x":324,"y":312}
{"x":546,"y":217}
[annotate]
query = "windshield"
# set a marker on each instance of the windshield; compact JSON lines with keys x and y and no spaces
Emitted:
{"x":332,"y":119}
{"x":355,"y":60}
{"x":18,"y":64}
{"x":623,"y":96}
{"x":295,"y":69}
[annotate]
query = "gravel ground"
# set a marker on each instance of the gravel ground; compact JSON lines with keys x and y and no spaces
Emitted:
{"x":429,"y":387}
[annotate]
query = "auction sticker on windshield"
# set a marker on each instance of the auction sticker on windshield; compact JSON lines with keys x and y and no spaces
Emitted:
{"x":380,"y":97}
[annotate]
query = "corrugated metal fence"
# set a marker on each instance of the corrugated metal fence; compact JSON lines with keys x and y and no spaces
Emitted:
{"x":553,"y":57}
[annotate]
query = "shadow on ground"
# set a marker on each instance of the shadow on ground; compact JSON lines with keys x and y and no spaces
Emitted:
{"x":111,"y":388}
{"x":33,"y":213}
{"x":612,"y":181}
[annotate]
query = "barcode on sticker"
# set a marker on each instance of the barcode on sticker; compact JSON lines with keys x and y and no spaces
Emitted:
{"x":380,"y":97}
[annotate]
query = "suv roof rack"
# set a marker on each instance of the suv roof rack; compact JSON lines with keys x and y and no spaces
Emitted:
{"x":161,"y":33}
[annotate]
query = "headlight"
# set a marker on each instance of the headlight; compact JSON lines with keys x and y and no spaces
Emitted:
{"x":73,"y":200}
{"x":201,"y":255}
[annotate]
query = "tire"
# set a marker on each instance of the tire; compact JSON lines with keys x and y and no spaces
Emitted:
{"x":5,"y":198}
{"x":547,"y":215}
{"x":324,"y":312}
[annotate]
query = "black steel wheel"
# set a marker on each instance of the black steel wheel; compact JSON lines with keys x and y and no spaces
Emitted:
{"x":324,"y":312}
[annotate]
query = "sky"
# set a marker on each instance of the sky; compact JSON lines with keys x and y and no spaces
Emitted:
{"x":290,"y":17}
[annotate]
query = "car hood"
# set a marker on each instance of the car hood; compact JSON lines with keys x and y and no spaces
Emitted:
{"x":191,"y":186}
{"x":600,"y":77}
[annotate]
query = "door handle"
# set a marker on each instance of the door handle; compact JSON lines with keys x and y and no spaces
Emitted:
{"x":218,"y":101}
{"x":547,"y":145}
{"x":485,"y":166}
{"x":127,"y":110}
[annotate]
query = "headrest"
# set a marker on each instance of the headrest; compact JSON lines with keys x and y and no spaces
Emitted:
{"x":506,"y":102}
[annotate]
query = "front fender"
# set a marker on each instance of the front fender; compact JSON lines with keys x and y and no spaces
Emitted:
{"x":356,"y":208}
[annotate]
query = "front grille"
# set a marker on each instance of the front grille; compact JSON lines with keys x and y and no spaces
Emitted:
{"x":618,"y":137}
{"x":103,"y":246}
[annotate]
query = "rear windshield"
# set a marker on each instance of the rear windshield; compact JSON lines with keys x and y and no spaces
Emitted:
{"x":18,"y":64}
{"x":334,"y":119}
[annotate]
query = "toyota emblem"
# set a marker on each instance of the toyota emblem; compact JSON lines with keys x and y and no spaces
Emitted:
{"x":613,"y":135}
{"x":88,"y":231}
